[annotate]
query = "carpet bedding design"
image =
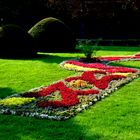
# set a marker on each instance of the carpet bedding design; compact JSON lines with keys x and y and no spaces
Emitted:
{"x":63,"y":99}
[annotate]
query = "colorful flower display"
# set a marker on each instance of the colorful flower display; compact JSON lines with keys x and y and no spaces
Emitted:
{"x":118,"y":58}
{"x":99,"y":83}
{"x":65,"y":98}
{"x":80,"y":66}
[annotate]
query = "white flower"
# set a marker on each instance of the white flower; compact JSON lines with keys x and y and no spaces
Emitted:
{"x":95,"y":100}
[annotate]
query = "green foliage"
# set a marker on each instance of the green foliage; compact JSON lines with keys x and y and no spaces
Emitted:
{"x":52,"y":35}
{"x":88,"y":48}
{"x":15,"y":42}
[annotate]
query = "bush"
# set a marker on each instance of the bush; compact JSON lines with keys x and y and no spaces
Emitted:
{"x":52,"y":35}
{"x":15,"y":42}
{"x":88,"y":48}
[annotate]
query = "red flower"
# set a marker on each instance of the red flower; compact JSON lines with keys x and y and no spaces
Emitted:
{"x":73,"y":78}
{"x":87,"y":92}
{"x":137,"y":55}
{"x":113,"y":58}
{"x":67,"y":100}
{"x":103,"y":67}
{"x":69,"y":97}
{"x":100,"y":83}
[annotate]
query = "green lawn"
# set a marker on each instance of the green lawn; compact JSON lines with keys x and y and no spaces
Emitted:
{"x":114,"y":118}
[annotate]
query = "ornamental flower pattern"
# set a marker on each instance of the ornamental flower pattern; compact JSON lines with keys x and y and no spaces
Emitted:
{"x":99,"y":83}
{"x":65,"y":98}
{"x":118,"y":58}
{"x":69,"y":96}
{"x":95,"y":67}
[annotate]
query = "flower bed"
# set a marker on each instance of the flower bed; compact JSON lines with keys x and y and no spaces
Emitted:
{"x":65,"y":98}
{"x":120,"y":58}
{"x":80,"y":66}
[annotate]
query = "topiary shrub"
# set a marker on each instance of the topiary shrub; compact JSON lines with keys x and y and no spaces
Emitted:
{"x":52,"y":35}
{"x":15,"y":42}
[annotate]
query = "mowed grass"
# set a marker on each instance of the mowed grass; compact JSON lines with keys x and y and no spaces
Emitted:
{"x":114,"y":118}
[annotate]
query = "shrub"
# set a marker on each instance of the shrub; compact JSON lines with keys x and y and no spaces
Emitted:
{"x":88,"y":48}
{"x":15,"y":42}
{"x":52,"y":35}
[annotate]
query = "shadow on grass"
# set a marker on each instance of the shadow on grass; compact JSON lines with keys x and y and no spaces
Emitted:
{"x":119,"y":48}
{"x":15,"y":127}
{"x":52,"y":58}
{"x":48,"y":58}
{"x":4,"y":92}
{"x":28,"y":128}
{"x":18,"y":57}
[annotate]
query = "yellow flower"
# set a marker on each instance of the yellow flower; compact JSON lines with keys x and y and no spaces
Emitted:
{"x":123,"y":74}
{"x":79,"y":68}
{"x":16,"y":101}
{"x":78,"y":83}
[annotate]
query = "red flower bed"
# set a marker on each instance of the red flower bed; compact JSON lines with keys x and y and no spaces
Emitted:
{"x":116,"y":58}
{"x":100,"y":83}
{"x":87,"y":92}
{"x":113,"y":69}
{"x":113,"y":58}
{"x":87,"y":65}
{"x":137,"y":56}
{"x":68,"y":99}
{"x":64,"y":99}
{"x":69,"y":96}
{"x":110,"y":69}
